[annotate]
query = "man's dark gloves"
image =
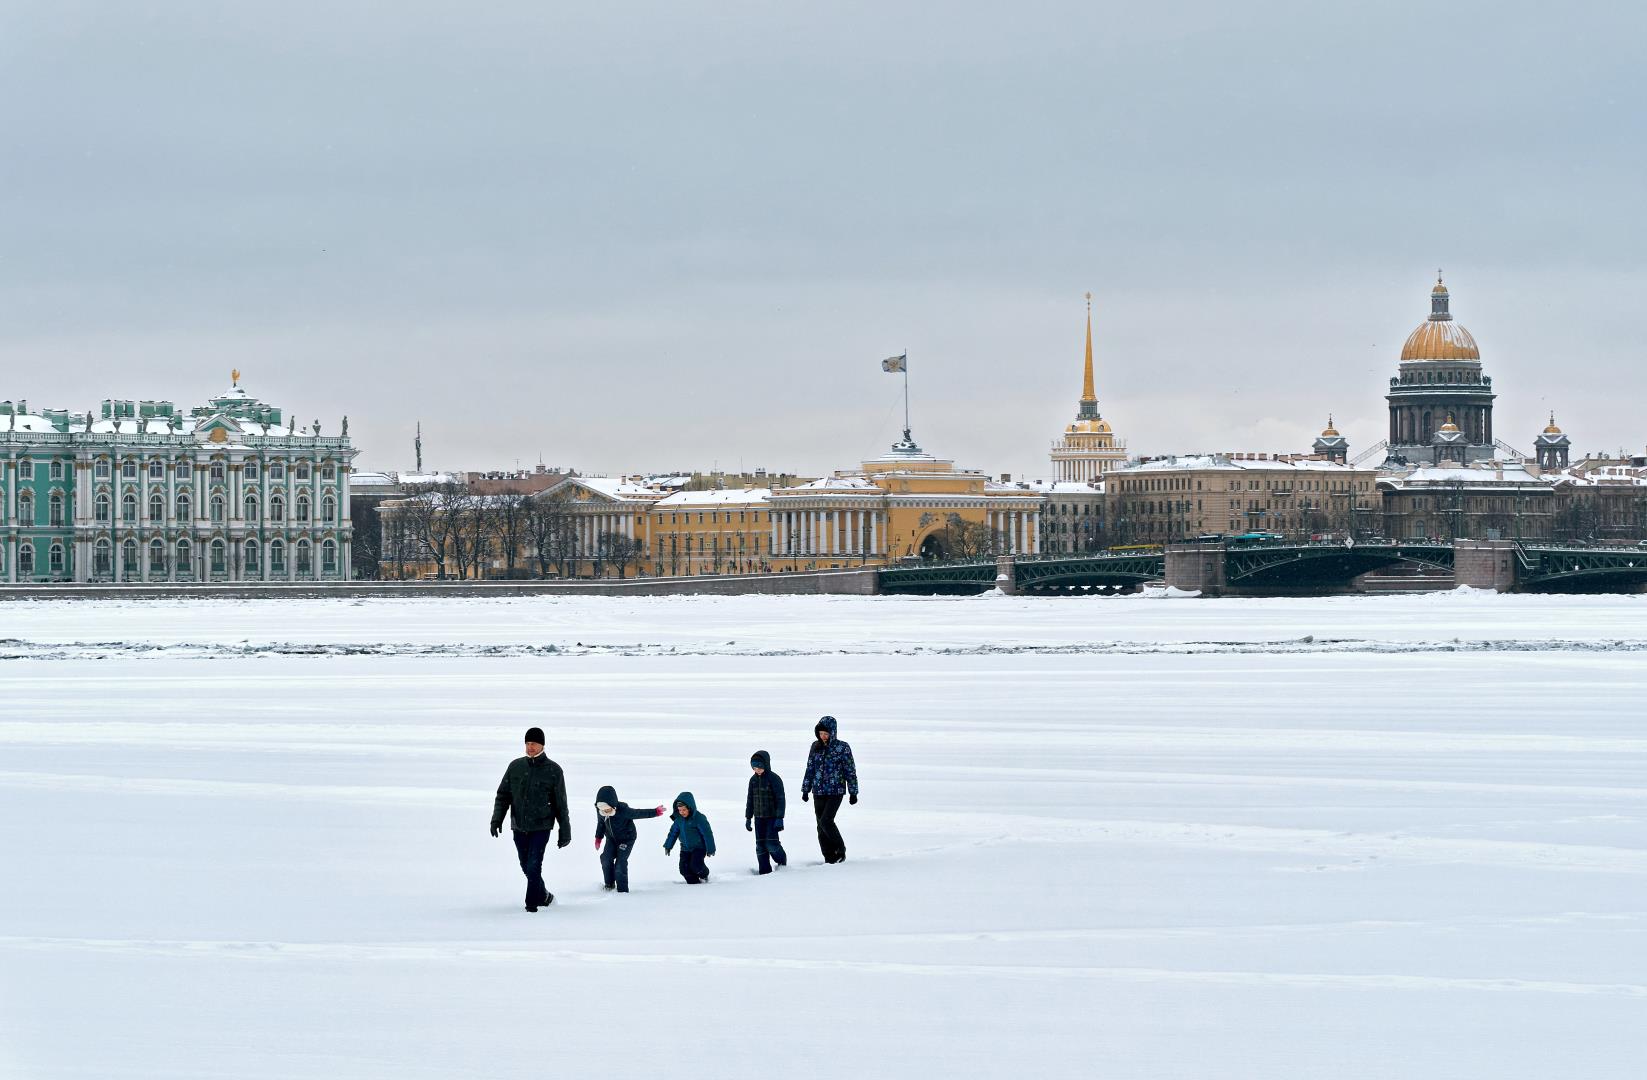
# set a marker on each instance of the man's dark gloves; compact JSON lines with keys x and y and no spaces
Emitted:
{"x":497,"y":829}
{"x":852,"y":799}
{"x":564,"y":839}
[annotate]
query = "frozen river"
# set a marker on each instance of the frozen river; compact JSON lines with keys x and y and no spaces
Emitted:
{"x":1399,"y":836}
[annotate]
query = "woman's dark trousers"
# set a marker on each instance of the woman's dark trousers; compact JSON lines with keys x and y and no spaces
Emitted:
{"x":829,"y":837}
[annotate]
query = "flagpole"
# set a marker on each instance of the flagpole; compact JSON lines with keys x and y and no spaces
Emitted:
{"x":906,"y":393}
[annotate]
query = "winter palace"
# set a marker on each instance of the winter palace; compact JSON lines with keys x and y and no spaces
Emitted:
{"x":147,"y":492}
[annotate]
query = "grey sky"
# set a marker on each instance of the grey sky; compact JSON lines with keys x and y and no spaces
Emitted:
{"x":662,"y":235}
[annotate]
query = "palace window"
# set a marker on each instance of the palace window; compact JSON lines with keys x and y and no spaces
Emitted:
{"x":128,"y":470}
{"x":157,"y":557}
{"x":185,"y":470}
{"x":157,"y":507}
{"x":251,"y":556}
{"x":217,"y":471}
{"x":302,"y":509}
{"x":277,"y":557}
{"x":328,"y":510}
{"x":157,"y":470}
{"x":103,"y":508}
{"x":57,"y":470}
{"x":103,"y":558}
{"x":328,"y":556}
{"x":329,"y":473}
{"x":56,"y":510}
{"x":277,"y":470}
{"x":251,"y":508}
{"x":25,"y":559}
{"x":183,"y":507}
{"x":101,"y":469}
{"x":56,"y":557}
{"x":128,"y":508}
{"x":219,"y":507}
{"x":25,"y":508}
{"x":220,"y":558}
{"x":250,"y":471}
{"x":185,"y":557}
{"x":277,"y":509}
{"x":128,"y":556}
{"x":305,"y":559}
{"x":302,"y":472}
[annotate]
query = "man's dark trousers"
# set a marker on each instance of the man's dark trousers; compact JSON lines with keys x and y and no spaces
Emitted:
{"x":767,"y":846}
{"x":614,"y":864}
{"x":829,"y":837}
{"x":530,"y":847}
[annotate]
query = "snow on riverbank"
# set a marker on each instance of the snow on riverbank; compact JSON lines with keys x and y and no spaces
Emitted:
{"x":1113,"y":837}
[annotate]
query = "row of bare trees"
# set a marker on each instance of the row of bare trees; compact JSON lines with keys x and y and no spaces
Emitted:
{"x":468,"y":535}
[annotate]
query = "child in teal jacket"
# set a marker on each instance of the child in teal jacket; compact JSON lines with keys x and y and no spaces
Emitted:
{"x":697,"y":840}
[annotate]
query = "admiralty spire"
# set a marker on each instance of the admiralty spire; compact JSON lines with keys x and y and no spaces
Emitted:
{"x":1088,"y":448}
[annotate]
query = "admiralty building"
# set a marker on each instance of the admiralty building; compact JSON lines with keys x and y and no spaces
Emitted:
{"x":146,"y":492}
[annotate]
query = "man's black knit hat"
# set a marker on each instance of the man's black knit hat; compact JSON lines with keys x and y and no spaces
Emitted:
{"x":534,"y":734}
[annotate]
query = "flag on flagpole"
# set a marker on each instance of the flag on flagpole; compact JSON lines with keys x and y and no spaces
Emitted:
{"x":896,"y":363}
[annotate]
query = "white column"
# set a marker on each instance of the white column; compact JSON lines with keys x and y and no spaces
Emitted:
{"x":875,"y":542}
{"x":1034,"y":533}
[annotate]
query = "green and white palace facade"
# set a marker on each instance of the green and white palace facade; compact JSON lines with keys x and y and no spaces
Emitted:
{"x":149,"y":493}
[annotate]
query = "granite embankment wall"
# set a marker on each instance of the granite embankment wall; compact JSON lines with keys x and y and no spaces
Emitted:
{"x":824,"y":582}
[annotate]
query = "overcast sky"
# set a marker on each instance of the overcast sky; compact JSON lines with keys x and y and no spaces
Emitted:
{"x":669,"y":235}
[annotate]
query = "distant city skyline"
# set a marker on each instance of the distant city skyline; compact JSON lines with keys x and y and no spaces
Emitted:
{"x":671,"y":237}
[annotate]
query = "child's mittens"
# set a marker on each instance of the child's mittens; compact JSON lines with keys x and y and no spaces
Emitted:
{"x":597,"y":843}
{"x":660,"y":811}
{"x":748,"y":826}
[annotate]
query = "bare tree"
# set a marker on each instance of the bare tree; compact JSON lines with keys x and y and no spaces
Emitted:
{"x":507,"y":523}
{"x":551,"y":535}
{"x":963,"y":539}
{"x":427,"y":533}
{"x":616,"y":549}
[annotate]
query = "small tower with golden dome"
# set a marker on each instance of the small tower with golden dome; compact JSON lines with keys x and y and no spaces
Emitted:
{"x":1551,"y":446}
{"x":1088,"y":448}
{"x":1331,"y":445}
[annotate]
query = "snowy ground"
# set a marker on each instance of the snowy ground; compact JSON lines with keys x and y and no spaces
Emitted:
{"x":1349,"y":837}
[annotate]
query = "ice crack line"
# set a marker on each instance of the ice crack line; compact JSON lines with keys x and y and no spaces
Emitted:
{"x":20,"y":649}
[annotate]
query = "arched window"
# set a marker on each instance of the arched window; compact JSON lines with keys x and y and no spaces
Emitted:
{"x":305,"y":559}
{"x":185,"y":557}
{"x":183,"y":507}
{"x":56,"y":557}
{"x":128,"y":508}
{"x":277,"y":557}
{"x":25,"y":508}
{"x":56,"y":517}
{"x":251,"y":508}
{"x":277,"y":509}
{"x":328,"y":510}
{"x":220,"y":557}
{"x":328,"y":556}
{"x":157,"y":507}
{"x":128,"y":556}
{"x":25,"y":559}
{"x":157,"y":557}
{"x":103,"y":508}
{"x":103,"y":558}
{"x":219,"y":508}
{"x":302,"y":508}
{"x":251,"y":556}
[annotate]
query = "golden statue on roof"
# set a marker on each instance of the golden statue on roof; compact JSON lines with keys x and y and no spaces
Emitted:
{"x":234,"y":376}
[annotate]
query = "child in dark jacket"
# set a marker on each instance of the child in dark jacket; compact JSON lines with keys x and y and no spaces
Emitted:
{"x":763,"y":812}
{"x":697,"y":841}
{"x":615,"y":826}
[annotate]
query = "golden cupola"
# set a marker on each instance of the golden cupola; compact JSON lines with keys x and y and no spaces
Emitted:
{"x":1438,"y":337}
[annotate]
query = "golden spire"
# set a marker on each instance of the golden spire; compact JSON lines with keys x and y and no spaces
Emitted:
{"x":1089,"y":392}
{"x":234,"y":376}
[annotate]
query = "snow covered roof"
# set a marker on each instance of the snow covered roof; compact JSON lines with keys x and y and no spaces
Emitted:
{"x":718,"y":497}
{"x":1189,"y":462}
{"x":1494,"y":474}
{"x":1055,"y":487}
{"x":838,"y":483}
{"x":613,"y":487}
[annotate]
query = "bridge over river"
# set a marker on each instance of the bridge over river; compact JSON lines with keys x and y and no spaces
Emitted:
{"x":1219,"y":569}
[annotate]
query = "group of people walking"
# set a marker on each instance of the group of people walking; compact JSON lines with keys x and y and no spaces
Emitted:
{"x":533,"y":794}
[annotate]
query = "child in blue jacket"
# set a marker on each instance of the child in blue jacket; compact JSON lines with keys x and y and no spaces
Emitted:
{"x":697,"y":841}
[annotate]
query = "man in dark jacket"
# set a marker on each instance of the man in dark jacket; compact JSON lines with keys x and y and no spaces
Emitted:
{"x":615,"y":826}
{"x":534,"y":792}
{"x":832,"y":774}
{"x":763,"y":812}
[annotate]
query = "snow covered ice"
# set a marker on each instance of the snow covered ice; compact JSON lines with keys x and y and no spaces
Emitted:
{"x":1352,"y":837}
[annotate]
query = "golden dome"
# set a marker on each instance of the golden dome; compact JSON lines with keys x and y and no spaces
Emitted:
{"x":1449,"y":425}
{"x":1440,"y":340}
{"x":1330,"y":432}
{"x":1552,"y":429}
{"x":1439,"y":290}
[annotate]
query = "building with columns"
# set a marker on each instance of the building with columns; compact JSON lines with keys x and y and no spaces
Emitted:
{"x":1440,"y":382}
{"x":145,"y":492}
{"x":1088,"y":448}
